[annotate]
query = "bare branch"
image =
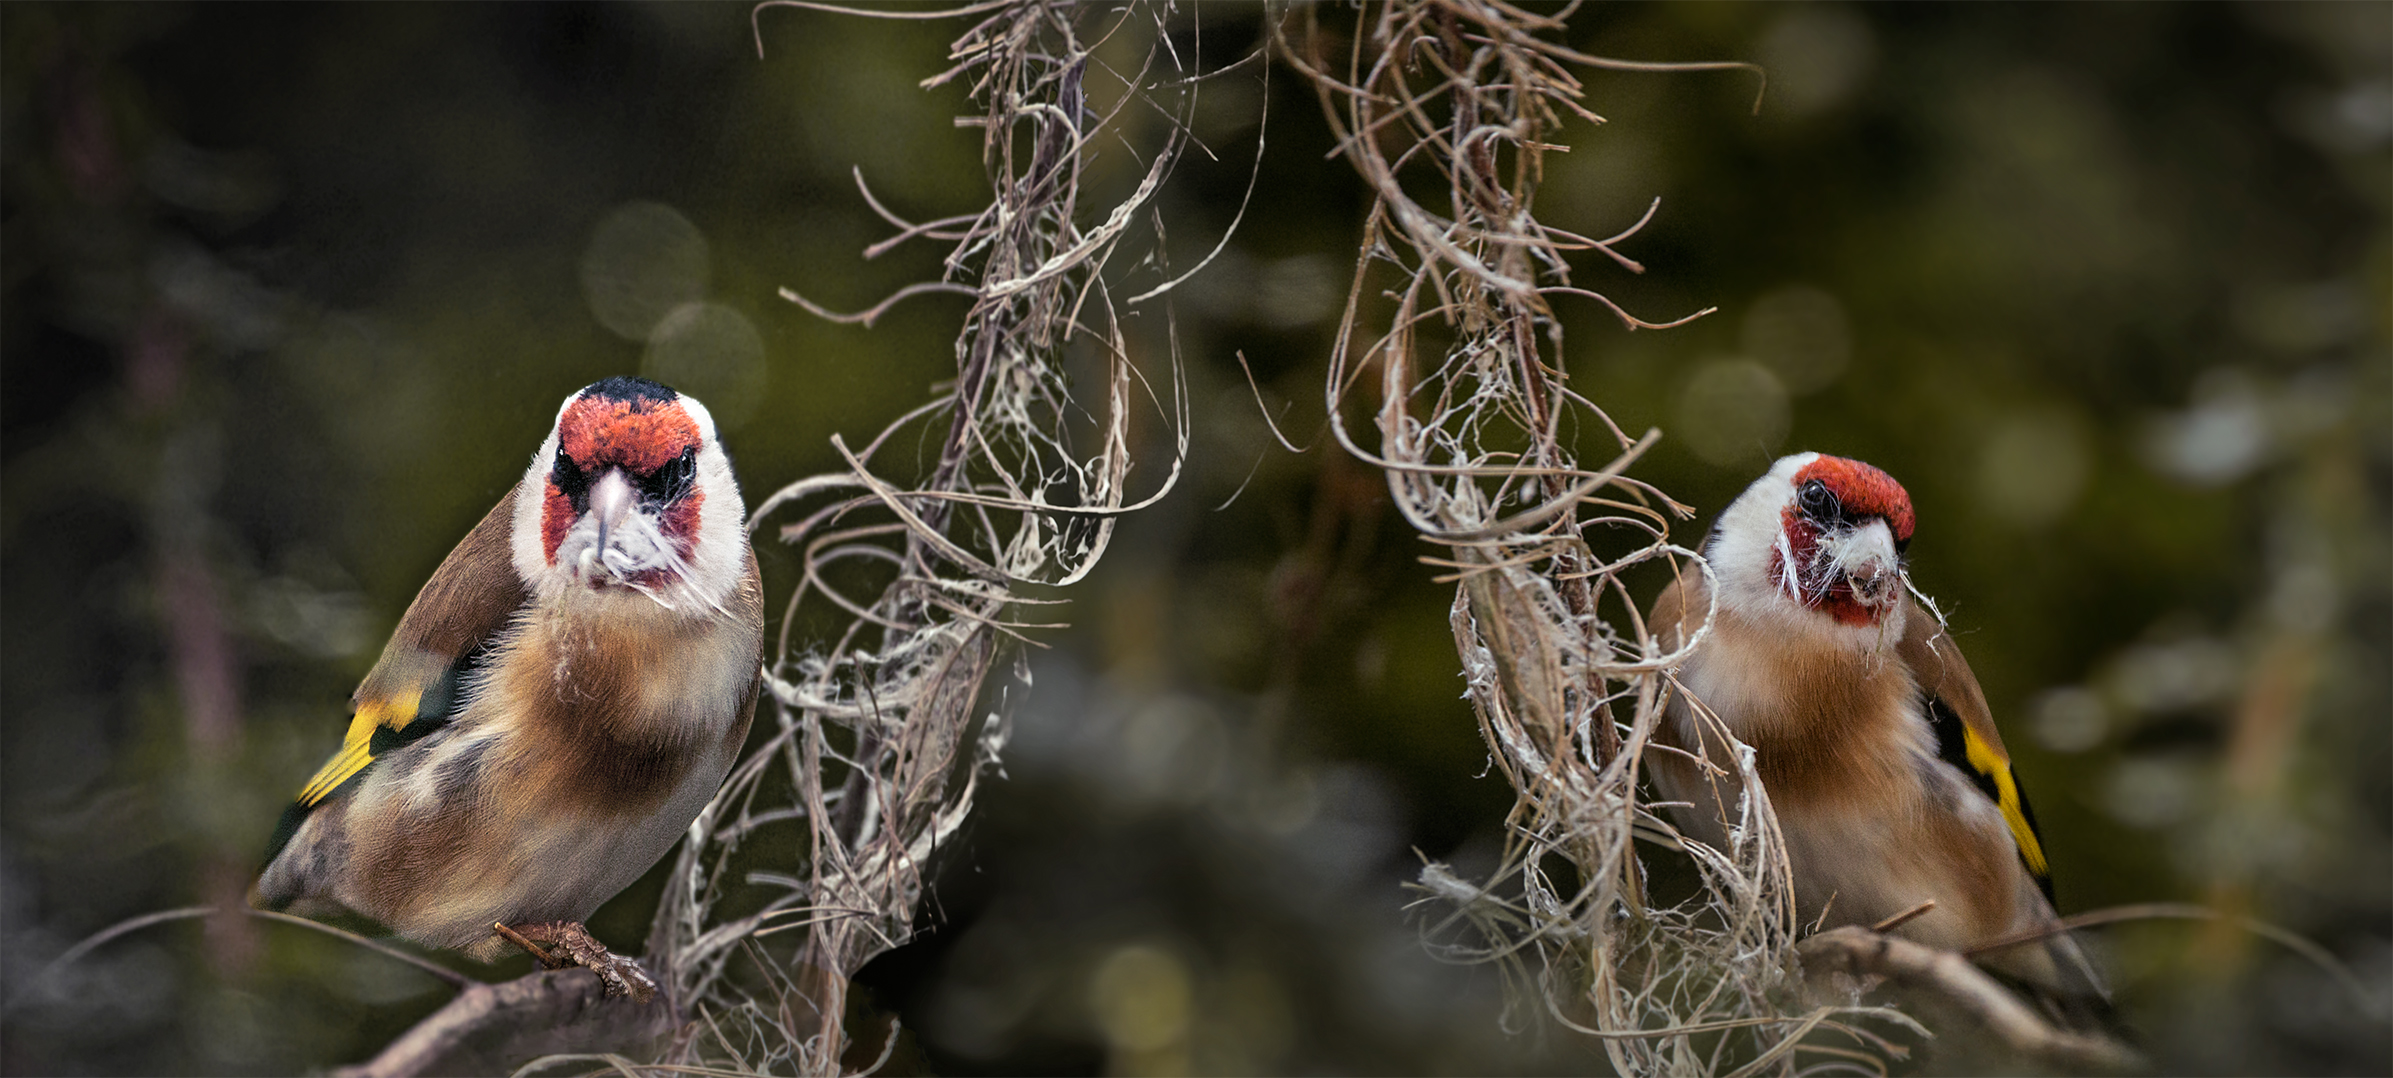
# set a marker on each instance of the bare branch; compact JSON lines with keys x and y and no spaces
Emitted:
{"x":1952,"y":979}
{"x":489,"y":1028}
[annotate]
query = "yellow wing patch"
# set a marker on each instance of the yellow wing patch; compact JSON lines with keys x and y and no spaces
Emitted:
{"x":394,"y":712}
{"x":1987,"y":762}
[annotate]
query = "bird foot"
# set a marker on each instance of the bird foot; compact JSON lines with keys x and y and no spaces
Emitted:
{"x":558,"y":944}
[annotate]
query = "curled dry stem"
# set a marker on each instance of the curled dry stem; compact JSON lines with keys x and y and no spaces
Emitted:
{"x":1474,"y":425}
{"x":880,"y":735}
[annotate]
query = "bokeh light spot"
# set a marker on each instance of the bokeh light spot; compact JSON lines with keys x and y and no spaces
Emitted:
{"x":1817,"y":57}
{"x":1733,"y":412}
{"x":2070,"y":719}
{"x":1141,"y":997}
{"x":2032,"y":467}
{"x":644,"y":261}
{"x":2153,"y":792}
{"x":713,"y":353}
{"x":1800,"y":333}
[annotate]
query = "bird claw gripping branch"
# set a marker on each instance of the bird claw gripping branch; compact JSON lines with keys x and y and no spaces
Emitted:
{"x":560,"y":944}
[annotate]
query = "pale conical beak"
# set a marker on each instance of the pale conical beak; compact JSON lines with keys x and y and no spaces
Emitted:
{"x":612,"y":501}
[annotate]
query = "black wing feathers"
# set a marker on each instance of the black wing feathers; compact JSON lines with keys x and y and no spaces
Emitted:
{"x":1952,"y":745}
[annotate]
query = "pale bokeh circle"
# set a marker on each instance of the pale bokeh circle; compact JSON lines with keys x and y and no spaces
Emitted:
{"x":713,"y":353}
{"x":1733,"y":412}
{"x":1800,"y":332}
{"x":1142,"y":997}
{"x":644,"y":260}
{"x":2032,"y":467}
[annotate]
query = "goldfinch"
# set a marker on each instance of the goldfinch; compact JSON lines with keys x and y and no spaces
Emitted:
{"x":1868,"y":730}
{"x":561,"y":699}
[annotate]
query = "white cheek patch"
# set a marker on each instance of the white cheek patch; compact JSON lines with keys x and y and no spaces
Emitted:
{"x":718,"y":559}
{"x":531,"y":495}
{"x":1748,"y":532}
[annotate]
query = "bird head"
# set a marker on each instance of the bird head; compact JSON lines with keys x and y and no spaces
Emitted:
{"x":632,"y":490}
{"x":1820,"y":535}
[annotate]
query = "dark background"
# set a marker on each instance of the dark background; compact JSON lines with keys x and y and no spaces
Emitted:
{"x":291,"y":293}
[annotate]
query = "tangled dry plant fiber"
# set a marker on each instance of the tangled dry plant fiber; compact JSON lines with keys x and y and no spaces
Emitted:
{"x":1474,"y":425}
{"x":881,"y":736}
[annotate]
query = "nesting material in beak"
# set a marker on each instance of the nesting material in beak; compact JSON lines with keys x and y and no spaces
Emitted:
{"x":1866,"y":560}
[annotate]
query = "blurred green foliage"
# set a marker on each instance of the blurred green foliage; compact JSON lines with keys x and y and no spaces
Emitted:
{"x":291,"y":294}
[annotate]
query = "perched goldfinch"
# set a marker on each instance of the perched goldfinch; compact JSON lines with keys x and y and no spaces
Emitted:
{"x":561,"y":699}
{"x":1868,"y":730}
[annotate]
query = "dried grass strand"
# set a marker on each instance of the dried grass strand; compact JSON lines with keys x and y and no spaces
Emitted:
{"x":880,"y":735}
{"x":1470,"y":428}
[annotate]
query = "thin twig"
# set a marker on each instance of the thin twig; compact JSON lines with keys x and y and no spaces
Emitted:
{"x":1903,"y":918}
{"x":2154,"y":911}
{"x":131,"y":925}
{"x":1952,"y":978}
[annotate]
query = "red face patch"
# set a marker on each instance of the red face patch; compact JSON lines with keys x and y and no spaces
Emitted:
{"x":556,"y":518}
{"x":1850,"y":492}
{"x":647,"y":438}
{"x":1864,"y":491}
{"x":639,"y":436}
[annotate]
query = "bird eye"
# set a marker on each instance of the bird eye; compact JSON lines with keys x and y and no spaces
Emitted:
{"x":671,"y":479}
{"x":1819,"y":503}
